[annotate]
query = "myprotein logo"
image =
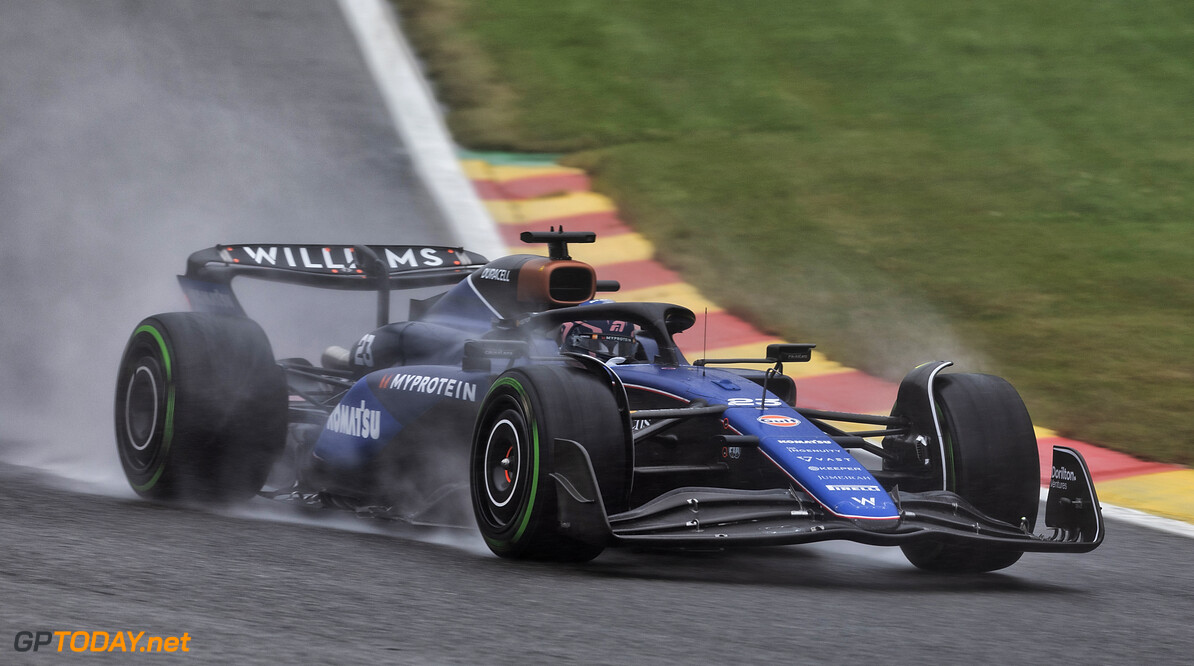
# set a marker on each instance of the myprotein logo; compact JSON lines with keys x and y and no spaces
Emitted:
{"x":98,"y":641}
{"x":445,"y":386}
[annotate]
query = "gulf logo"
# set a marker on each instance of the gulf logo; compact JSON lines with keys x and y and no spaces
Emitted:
{"x":778,"y":420}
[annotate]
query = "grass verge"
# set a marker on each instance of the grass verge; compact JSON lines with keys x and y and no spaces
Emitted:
{"x":1006,"y":185}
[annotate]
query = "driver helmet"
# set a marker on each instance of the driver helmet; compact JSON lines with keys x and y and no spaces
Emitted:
{"x":601,"y":339}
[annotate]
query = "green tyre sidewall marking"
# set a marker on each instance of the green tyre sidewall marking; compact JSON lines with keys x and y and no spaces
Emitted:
{"x":168,"y":430}
{"x":534,"y":469}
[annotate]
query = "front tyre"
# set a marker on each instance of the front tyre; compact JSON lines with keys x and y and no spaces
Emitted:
{"x":200,"y":407}
{"x":991,"y":460}
{"x":514,"y":497}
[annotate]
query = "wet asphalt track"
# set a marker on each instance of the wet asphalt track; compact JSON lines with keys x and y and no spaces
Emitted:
{"x":132,"y":133}
{"x":262,"y":591}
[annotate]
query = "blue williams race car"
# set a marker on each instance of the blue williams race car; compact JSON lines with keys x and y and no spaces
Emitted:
{"x":565,"y":424}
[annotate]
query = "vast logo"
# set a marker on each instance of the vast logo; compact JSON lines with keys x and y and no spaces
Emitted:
{"x":778,"y":420}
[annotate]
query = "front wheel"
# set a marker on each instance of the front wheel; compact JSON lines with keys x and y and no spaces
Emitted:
{"x":200,"y":407}
{"x":991,"y":460}
{"x":514,"y":497}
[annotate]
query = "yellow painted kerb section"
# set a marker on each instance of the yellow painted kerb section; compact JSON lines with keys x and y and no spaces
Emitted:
{"x":609,"y":250}
{"x":523,"y":211}
{"x":1169,"y":494}
{"x":501,"y":173}
{"x":680,"y":293}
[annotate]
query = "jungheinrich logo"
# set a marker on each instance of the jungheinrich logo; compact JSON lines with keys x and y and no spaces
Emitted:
{"x":356,"y":421}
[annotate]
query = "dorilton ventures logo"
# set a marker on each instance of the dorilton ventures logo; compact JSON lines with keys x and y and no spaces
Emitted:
{"x":98,"y":641}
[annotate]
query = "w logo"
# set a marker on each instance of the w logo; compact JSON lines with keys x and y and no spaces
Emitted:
{"x":865,"y":501}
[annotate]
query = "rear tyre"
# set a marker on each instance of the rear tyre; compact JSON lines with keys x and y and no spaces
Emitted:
{"x":200,"y":407}
{"x":991,"y":461}
{"x":514,"y":498}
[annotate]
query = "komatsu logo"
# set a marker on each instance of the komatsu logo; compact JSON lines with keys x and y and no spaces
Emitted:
{"x":356,"y":421}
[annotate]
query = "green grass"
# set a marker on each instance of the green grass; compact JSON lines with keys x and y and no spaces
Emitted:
{"x":1007,"y":185}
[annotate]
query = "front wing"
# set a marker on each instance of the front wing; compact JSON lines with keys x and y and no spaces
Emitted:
{"x":704,"y":517}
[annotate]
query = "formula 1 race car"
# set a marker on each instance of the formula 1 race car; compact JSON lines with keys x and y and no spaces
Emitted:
{"x":569,"y":423}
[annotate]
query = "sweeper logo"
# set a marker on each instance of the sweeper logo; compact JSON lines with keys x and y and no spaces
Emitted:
{"x":98,"y":641}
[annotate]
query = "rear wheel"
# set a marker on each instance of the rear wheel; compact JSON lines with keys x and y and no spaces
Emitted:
{"x":514,"y":498}
{"x":991,"y":460}
{"x":200,"y":407}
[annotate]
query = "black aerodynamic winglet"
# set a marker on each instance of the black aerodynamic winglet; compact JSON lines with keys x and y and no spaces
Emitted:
{"x":580,"y":509}
{"x":1072,"y":506}
{"x":557,"y":241}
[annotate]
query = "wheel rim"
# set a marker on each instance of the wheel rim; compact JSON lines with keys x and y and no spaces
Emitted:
{"x":143,"y":411}
{"x":503,"y":466}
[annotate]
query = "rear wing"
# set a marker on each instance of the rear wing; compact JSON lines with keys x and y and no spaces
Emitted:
{"x":208,"y":279}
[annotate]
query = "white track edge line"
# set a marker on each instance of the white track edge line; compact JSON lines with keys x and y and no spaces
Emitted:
{"x":413,"y":109}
